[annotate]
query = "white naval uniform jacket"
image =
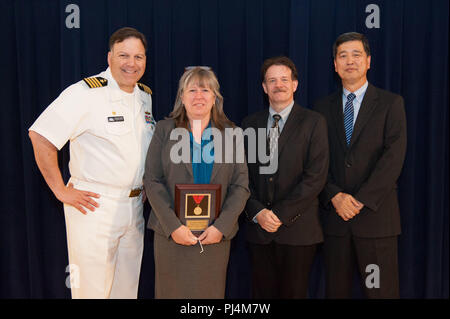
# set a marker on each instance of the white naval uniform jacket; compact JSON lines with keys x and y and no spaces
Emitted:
{"x":108,"y":140}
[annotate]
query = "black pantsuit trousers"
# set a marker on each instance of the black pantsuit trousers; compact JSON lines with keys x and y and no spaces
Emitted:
{"x":377,"y":262}
{"x":280,"y":271}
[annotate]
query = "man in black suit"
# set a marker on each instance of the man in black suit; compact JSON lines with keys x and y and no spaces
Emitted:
{"x":284,"y":227}
{"x":367,"y":136}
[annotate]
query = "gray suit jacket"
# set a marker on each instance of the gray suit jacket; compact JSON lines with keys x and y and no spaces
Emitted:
{"x":161,"y":175}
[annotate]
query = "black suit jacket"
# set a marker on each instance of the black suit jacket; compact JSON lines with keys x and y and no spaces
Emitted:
{"x":369,"y":167}
{"x":292,"y":192}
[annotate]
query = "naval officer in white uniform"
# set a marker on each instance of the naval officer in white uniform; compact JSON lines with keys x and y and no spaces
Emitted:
{"x":108,"y":120}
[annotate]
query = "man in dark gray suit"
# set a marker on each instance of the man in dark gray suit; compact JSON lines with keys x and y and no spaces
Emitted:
{"x":367,"y":136}
{"x":284,"y":227}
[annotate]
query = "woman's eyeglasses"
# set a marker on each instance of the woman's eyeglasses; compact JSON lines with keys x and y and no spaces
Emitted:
{"x":188,"y":68}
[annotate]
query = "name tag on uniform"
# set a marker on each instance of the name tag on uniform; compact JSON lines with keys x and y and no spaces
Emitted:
{"x":115,"y":119}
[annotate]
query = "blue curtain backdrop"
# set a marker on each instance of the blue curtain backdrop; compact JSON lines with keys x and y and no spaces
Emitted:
{"x":41,"y":56}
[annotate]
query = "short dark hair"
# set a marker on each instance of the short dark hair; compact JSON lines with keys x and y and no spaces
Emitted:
{"x":279,"y":60}
{"x":125,"y":33}
{"x":351,"y":36}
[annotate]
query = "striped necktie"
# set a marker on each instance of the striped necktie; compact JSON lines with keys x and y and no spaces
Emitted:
{"x":274,"y":134}
{"x":348,"y":117}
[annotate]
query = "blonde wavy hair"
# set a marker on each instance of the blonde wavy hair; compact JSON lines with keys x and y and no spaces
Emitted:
{"x":203,"y":77}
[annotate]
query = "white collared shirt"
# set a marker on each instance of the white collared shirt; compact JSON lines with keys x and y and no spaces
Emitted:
{"x":109,"y":138}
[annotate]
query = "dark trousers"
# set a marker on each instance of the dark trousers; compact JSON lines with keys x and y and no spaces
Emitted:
{"x":280,"y":271}
{"x":377,"y":263}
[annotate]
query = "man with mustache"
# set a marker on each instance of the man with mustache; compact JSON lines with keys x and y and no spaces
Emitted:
{"x":367,"y":135}
{"x":108,"y":120}
{"x":284,"y":228}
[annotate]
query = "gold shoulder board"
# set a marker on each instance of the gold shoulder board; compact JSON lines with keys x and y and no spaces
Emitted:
{"x":145,"y":88}
{"x":96,"y":82}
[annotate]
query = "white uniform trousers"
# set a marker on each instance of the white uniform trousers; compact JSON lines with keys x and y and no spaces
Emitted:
{"x":105,"y":248}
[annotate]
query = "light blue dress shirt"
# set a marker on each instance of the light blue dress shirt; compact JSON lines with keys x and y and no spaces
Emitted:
{"x":356,"y":102}
{"x":284,"y":116}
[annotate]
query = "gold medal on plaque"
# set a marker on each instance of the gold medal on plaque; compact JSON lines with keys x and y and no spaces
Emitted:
{"x":197,"y":199}
{"x":197,"y":210}
{"x":197,"y":205}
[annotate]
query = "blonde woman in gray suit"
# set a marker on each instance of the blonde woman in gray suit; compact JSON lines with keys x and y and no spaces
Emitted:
{"x":181,"y":271}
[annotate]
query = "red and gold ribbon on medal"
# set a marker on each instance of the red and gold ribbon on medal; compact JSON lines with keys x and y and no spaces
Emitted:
{"x":197,"y":200}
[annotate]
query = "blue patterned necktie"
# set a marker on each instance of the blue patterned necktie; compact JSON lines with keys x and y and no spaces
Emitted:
{"x":348,"y":117}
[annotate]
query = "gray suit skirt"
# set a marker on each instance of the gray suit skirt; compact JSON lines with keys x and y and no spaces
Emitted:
{"x":182,"y":272}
